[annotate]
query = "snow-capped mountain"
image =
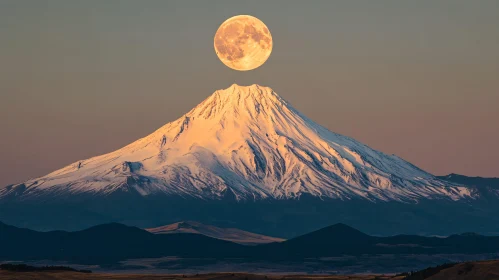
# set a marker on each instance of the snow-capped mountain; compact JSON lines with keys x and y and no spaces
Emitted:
{"x":248,"y":143}
{"x":229,"y":234}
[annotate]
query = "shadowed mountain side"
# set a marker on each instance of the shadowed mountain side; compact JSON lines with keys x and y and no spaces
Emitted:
{"x":479,"y":182}
{"x":229,"y":234}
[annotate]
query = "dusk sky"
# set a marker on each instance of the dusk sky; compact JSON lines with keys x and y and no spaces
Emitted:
{"x":419,"y":79}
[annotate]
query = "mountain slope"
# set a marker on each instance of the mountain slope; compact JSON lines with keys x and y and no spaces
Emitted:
{"x":246,"y":143}
{"x":229,"y":234}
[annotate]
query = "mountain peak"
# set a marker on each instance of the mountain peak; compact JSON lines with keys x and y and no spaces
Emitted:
{"x":341,"y":228}
{"x":238,"y":101}
{"x":242,"y":87}
{"x":339,"y":234}
{"x":255,"y":91}
{"x":338,"y":230}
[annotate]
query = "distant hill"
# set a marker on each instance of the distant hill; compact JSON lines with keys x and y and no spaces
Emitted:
{"x":110,"y":243}
{"x":229,"y":234}
{"x":340,"y":239}
{"x":106,"y":244}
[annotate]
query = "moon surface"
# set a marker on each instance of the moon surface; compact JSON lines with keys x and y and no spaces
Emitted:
{"x":243,"y":42}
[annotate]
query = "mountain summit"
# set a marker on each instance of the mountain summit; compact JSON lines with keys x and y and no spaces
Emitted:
{"x":246,"y":143}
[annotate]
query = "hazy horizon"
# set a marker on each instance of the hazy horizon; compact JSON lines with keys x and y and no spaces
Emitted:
{"x":416,"y":79}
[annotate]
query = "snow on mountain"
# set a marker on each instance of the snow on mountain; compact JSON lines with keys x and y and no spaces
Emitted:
{"x":249,"y":143}
{"x":229,"y":234}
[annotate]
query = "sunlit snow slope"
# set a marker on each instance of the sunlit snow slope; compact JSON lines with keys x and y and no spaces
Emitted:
{"x":248,"y":143}
{"x":229,"y":234}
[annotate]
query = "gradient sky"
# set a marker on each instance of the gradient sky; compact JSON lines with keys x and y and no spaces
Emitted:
{"x":419,"y":79}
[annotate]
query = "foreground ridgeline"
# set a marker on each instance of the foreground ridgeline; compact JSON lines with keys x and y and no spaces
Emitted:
{"x":456,"y":271}
{"x":112,"y":243}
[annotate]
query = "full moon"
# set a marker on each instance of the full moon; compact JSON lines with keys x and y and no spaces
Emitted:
{"x":243,"y":43}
